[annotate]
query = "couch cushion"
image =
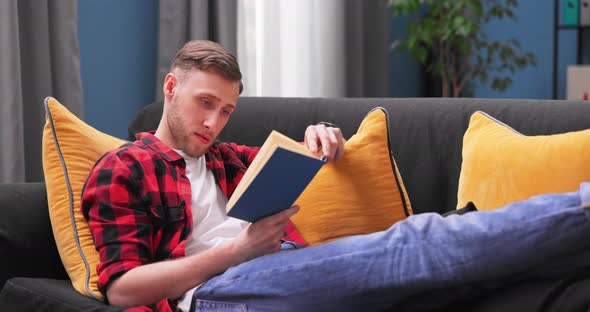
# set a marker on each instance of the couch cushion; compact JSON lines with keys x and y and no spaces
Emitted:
{"x":38,"y":294}
{"x":70,"y":150}
{"x":360,"y":193}
{"x":501,"y":165}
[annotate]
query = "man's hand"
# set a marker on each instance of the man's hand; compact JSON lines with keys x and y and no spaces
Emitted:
{"x":146,"y":284}
{"x":262,"y":237}
{"x":327,"y":140}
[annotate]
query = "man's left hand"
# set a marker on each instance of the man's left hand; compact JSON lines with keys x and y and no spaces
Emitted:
{"x":326,"y":140}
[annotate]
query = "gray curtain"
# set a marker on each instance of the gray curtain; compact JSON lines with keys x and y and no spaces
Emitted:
{"x":40,"y":57}
{"x":184,"y":20}
{"x":367,"y":48}
{"x":367,"y":38}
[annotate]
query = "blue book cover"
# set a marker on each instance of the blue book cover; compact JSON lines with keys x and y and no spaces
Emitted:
{"x":278,"y":180}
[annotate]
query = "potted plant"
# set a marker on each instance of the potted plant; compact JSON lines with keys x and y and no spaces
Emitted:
{"x":447,"y":37}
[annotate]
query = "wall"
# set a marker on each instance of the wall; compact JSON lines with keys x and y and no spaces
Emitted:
{"x":534,"y":30}
{"x":118,"y":43}
{"x":118,"y":47}
{"x":405,"y":74}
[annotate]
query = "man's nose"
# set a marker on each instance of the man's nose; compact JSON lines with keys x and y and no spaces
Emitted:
{"x":210,"y":121}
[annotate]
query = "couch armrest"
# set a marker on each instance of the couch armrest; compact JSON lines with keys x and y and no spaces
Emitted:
{"x":27,"y":245}
{"x":40,"y":294}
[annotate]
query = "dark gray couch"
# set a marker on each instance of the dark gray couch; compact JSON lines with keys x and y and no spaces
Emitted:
{"x":426,"y":138}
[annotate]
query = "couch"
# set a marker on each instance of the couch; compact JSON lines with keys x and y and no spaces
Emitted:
{"x":425,"y":136}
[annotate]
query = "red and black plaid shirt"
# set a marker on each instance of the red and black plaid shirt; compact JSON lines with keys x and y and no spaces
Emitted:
{"x":137,"y":201}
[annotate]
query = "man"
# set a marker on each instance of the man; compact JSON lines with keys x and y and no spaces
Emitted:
{"x":156,"y":211}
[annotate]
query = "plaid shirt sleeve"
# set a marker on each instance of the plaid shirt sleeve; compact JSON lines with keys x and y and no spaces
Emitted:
{"x":245,"y":153}
{"x":120,"y":226}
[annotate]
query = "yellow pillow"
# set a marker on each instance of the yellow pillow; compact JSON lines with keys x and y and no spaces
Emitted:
{"x":501,"y":166}
{"x":361,"y":193}
{"x":70,"y":149}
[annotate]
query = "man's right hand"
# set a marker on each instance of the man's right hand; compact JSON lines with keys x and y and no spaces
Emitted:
{"x":262,"y":237}
{"x":174,"y":277}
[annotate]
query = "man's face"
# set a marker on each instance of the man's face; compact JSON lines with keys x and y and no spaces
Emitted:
{"x":200,"y":103}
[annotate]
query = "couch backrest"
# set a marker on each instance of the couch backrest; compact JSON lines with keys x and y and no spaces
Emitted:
{"x":426,"y":133}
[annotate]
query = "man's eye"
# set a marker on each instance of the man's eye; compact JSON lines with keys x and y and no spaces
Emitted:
{"x":226,"y":112}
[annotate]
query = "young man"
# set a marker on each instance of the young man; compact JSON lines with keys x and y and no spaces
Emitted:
{"x":156,"y":208}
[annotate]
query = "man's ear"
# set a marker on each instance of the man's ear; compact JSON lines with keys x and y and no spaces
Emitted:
{"x":170,"y":83}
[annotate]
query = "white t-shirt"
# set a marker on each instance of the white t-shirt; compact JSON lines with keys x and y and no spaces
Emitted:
{"x":211,"y":225}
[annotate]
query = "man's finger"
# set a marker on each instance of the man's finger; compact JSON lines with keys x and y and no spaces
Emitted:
{"x":291,"y":211}
{"x":341,"y":144}
{"x":310,"y":140}
{"x":334,"y":142}
{"x":329,"y":142}
{"x":281,"y":216}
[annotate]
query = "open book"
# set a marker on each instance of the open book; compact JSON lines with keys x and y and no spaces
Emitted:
{"x":275,"y":179}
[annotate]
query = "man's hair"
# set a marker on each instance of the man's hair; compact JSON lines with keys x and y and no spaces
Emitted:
{"x":208,"y":55}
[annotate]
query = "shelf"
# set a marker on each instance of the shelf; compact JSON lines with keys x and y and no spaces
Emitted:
{"x":573,"y":27}
{"x":579,"y":29}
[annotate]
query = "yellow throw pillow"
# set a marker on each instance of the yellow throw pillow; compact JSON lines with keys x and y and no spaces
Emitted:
{"x":361,"y":193}
{"x":501,"y":165}
{"x":70,"y":150}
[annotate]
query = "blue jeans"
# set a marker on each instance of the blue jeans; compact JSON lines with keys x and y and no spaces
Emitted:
{"x":424,"y":255}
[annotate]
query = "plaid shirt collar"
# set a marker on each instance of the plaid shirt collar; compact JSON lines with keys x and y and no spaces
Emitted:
{"x":169,"y":154}
{"x":151,"y":141}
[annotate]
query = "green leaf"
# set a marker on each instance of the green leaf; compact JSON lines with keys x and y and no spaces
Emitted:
{"x":457,"y":25}
{"x":512,"y":3}
{"x":494,"y":11}
{"x":479,"y":59}
{"x":532,"y":60}
{"x":421,"y":54}
{"x":412,"y":27}
{"x":476,"y":8}
{"x":465,"y":49}
{"x":510,"y":14}
{"x":463,"y":31}
{"x":411,"y":42}
{"x":501,"y":83}
{"x":458,"y":21}
{"x":435,"y":10}
{"x":483,"y":77}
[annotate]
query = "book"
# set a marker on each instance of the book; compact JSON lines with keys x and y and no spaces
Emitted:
{"x":276,"y":177}
{"x":570,"y":13}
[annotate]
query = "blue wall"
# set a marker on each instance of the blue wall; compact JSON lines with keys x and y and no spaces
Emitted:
{"x":405,"y":73}
{"x":534,"y":30}
{"x":118,"y":45}
{"x":118,"y":48}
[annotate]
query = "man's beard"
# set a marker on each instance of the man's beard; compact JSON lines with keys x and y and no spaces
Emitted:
{"x":178,"y":132}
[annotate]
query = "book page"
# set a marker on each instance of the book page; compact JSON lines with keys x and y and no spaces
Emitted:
{"x":287,"y":143}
